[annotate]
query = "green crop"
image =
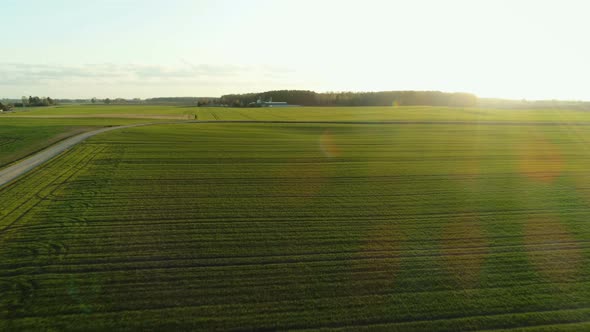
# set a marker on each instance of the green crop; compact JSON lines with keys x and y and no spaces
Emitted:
{"x":403,"y":227}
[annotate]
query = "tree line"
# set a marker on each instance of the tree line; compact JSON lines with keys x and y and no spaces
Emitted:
{"x":293,"y":97}
{"x":382,"y":98}
{"x":31,"y":101}
{"x":149,"y":101}
{"x":34,"y":102}
{"x":182,"y":100}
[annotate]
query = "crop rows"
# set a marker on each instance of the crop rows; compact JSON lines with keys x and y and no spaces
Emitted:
{"x":236,"y":226}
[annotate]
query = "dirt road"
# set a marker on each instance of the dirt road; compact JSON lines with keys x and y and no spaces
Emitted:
{"x":10,"y":173}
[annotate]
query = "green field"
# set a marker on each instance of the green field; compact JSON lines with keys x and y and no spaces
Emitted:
{"x":403,"y":227}
{"x":406,"y":113}
{"x":20,"y":137}
{"x":108,"y":111}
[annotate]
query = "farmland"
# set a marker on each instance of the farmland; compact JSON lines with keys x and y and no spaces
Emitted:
{"x":406,"y":113}
{"x":20,"y":137}
{"x":408,"y":227}
{"x":108,"y":111}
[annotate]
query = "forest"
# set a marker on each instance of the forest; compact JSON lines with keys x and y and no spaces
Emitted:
{"x":382,"y":98}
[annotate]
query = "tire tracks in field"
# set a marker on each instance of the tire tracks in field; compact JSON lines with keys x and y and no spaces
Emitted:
{"x":37,"y":198}
{"x":11,"y":173}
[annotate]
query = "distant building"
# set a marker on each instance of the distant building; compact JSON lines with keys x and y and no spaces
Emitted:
{"x":270,"y":103}
{"x":275,"y":104}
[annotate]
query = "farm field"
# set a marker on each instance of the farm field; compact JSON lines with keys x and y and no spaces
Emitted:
{"x":108,"y":111}
{"x":20,"y":137}
{"x":351,"y":114}
{"x":25,"y":132}
{"x":413,"y":227}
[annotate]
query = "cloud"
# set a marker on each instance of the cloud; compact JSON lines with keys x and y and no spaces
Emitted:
{"x":19,"y":74}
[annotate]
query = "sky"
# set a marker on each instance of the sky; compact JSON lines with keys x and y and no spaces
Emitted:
{"x":141,"y":48}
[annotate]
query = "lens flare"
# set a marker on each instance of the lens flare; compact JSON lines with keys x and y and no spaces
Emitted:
{"x":541,"y":161}
{"x":552,"y":249}
{"x":328,"y":145}
{"x":464,"y":247}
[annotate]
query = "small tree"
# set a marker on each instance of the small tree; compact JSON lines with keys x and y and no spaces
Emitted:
{"x":5,"y":108}
{"x":107,"y":101}
{"x":93,"y":100}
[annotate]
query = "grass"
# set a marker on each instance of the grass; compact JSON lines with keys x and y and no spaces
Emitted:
{"x":108,"y":111}
{"x":414,"y":227}
{"x":415,"y":113}
{"x":20,"y":137}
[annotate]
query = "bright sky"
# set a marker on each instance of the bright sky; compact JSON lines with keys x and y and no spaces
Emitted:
{"x":141,"y":48}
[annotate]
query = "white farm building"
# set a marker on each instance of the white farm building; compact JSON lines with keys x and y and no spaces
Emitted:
{"x":270,"y":103}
